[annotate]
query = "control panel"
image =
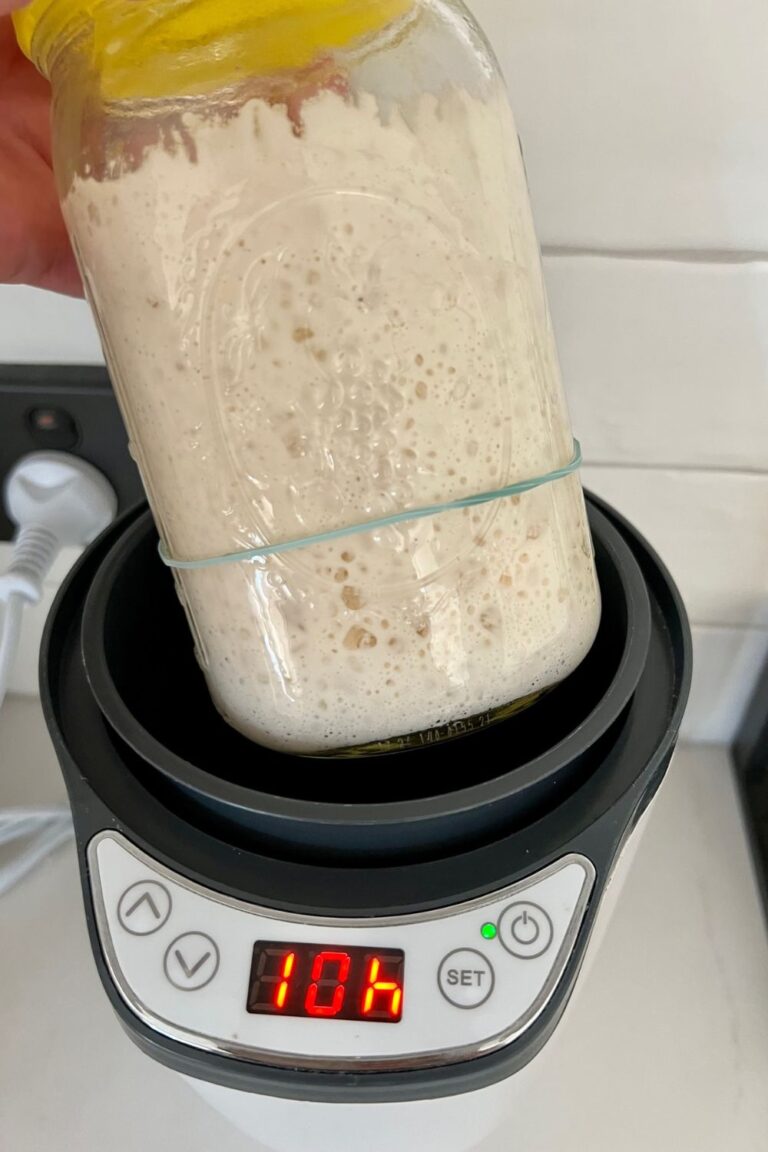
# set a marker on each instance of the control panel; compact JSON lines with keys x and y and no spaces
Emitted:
{"x":435,"y":988}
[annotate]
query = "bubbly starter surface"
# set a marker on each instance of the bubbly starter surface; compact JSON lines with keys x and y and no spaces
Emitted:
{"x":309,"y":330}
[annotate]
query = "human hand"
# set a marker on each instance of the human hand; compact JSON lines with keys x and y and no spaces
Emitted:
{"x":34,"y":246}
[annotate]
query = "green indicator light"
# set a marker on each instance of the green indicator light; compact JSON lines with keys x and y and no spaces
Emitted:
{"x":488,"y":931}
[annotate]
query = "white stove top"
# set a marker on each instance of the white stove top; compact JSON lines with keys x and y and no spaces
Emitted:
{"x":669,"y":1033}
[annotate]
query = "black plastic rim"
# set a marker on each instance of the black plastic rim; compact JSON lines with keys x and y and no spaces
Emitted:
{"x":427,"y":861}
{"x":224,"y":796}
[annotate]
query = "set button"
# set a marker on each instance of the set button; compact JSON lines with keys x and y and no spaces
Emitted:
{"x":466,"y":978}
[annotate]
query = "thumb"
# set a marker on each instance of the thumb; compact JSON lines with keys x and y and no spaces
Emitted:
{"x":8,"y":6}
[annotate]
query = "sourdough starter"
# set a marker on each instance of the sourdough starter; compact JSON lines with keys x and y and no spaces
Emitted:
{"x":308,"y":330}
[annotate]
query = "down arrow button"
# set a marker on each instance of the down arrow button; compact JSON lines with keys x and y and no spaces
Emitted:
{"x":191,"y":961}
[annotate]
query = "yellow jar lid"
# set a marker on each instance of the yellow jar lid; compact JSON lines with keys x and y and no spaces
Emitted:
{"x":143,"y":49}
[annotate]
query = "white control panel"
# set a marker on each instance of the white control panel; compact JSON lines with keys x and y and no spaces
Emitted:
{"x":217,"y":973}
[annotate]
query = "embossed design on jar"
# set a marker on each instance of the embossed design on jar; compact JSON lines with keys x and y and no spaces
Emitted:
{"x":346,"y":336}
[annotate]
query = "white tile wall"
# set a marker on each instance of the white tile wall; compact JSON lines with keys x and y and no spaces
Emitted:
{"x":644,"y":124}
{"x":645,"y":129}
{"x":42,"y":328}
{"x":665,"y":362}
{"x":726,"y":666}
{"x":711,"y":529}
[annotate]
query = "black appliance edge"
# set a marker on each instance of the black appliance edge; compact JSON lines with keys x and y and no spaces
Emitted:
{"x":600,"y":840}
{"x":750,"y":755}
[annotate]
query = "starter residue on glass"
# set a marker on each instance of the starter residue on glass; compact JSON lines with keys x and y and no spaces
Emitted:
{"x":313,"y":324}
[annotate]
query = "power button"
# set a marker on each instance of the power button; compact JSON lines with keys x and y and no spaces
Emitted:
{"x":525,"y":930}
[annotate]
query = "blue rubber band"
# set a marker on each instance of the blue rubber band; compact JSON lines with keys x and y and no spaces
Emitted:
{"x":383,"y":522}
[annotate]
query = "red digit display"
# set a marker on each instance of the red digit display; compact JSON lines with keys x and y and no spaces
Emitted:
{"x":383,"y":997}
{"x":286,"y":971}
{"x":317,"y":1002}
{"x":327,"y":982}
{"x":272,"y":971}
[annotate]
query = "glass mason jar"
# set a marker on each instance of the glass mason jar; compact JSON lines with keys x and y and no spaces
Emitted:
{"x":305,"y":233}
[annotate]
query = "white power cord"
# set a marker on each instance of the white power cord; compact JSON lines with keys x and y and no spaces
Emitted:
{"x":9,"y":639}
{"x":55,"y":500}
{"x":42,"y":829}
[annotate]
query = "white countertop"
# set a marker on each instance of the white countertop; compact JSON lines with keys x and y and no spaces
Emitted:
{"x":669,"y":1036}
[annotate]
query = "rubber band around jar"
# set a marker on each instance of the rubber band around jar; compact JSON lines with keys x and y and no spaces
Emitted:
{"x":267,"y":550}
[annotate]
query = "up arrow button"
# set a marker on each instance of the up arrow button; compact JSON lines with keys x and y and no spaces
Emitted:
{"x":144,"y":908}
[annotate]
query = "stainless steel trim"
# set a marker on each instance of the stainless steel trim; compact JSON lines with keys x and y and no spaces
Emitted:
{"x":404,"y":1062}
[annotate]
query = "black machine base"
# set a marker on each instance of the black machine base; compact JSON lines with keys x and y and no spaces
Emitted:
{"x":573,"y":773}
